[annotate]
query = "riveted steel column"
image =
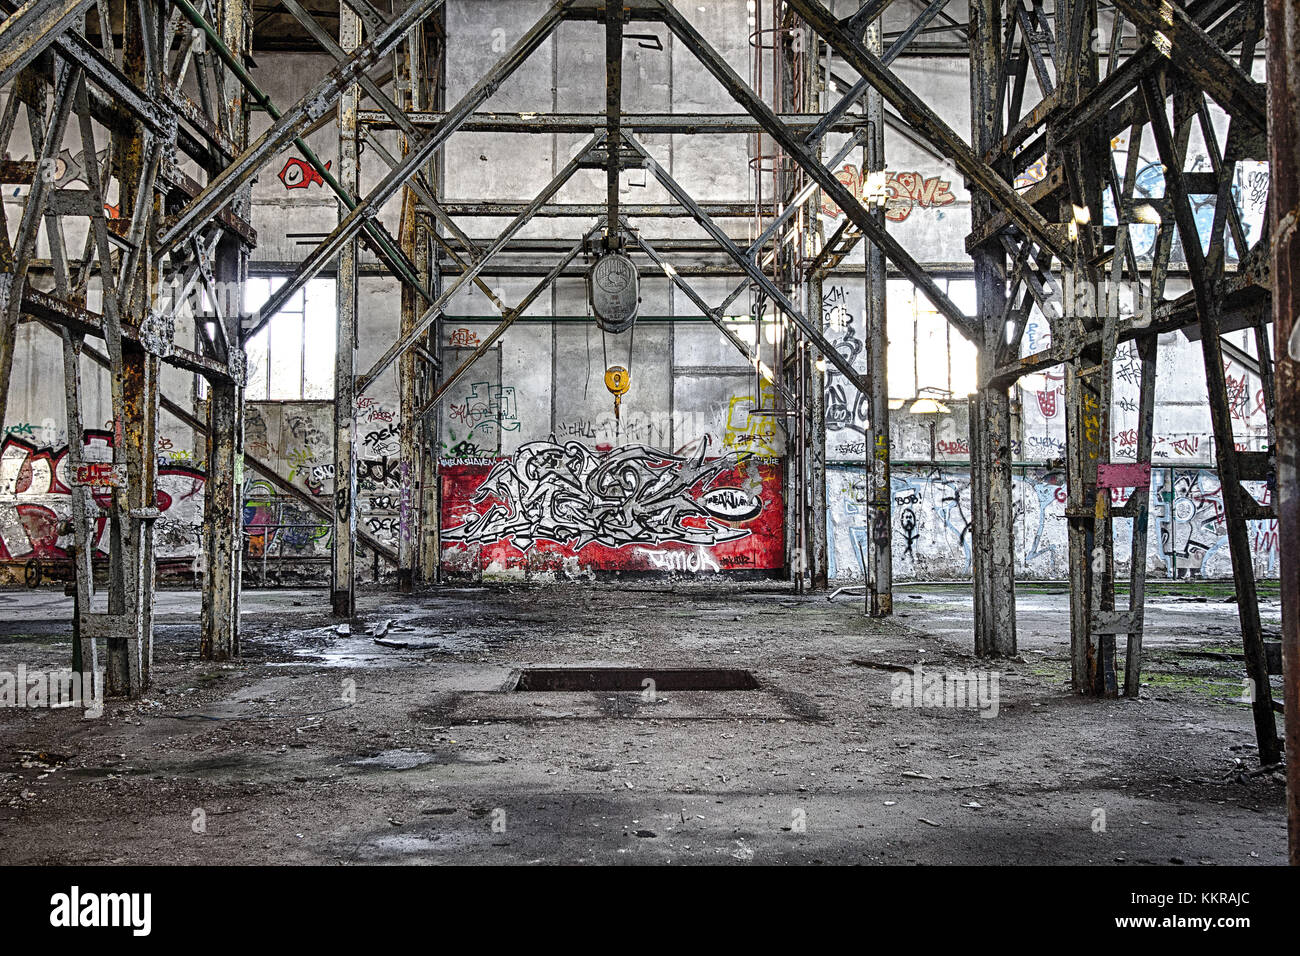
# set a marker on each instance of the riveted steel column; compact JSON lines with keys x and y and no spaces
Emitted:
{"x":1284,"y":142}
{"x":993,"y":543}
{"x":135,"y":401}
{"x":415,"y":244}
{"x":223,"y":537}
{"x":880,"y":554}
{"x":814,"y":291}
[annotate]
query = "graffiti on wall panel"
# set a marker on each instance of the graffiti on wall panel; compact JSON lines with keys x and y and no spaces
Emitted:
{"x":902,"y":192}
{"x":630,"y":508}
{"x":746,"y":432}
{"x":846,"y":407}
{"x":931,"y":535}
{"x":36,"y":502}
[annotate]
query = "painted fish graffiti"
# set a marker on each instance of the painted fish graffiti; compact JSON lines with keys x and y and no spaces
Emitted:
{"x":299,"y":174}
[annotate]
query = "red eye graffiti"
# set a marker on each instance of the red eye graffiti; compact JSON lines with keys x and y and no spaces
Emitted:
{"x":298,"y":174}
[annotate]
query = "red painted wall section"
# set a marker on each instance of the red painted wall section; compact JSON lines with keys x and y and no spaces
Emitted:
{"x":564,"y":507}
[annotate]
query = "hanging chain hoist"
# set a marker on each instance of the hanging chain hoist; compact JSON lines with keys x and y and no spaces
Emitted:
{"x":614,"y":291}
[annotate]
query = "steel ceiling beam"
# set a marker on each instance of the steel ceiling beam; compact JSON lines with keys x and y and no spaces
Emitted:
{"x":798,"y":150}
{"x":313,"y":105}
{"x":413,"y":161}
{"x":925,"y":121}
{"x":413,"y":336}
{"x":1180,"y":38}
{"x":811,"y":329}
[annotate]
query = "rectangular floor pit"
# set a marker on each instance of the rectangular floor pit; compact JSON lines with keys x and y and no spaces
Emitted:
{"x":612,"y":679}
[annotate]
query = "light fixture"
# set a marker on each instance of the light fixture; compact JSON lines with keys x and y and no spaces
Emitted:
{"x":896,"y":403}
{"x":1148,"y":214}
{"x":928,"y":406}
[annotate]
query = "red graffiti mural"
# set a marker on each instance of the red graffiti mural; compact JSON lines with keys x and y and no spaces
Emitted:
{"x":554,"y":506}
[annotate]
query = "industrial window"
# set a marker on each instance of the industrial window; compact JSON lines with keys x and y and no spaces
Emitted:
{"x":926,"y":355}
{"x":292,"y":357}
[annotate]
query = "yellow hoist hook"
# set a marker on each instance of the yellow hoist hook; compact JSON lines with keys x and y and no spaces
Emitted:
{"x":618,"y":380}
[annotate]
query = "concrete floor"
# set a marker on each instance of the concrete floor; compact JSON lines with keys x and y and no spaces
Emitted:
{"x":434,"y":763}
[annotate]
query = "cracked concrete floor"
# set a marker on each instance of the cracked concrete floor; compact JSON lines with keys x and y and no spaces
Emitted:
{"x":269,"y":760}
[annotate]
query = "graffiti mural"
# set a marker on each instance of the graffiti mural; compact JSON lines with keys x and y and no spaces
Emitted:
{"x":931,"y":524}
{"x":631,"y":508}
{"x":902,"y":192}
{"x":756,"y":434}
{"x":36,"y":502}
{"x":299,"y":174}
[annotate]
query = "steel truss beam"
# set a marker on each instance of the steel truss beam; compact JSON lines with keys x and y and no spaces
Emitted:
{"x":1077,"y":117}
{"x":799,"y":152}
{"x":27,"y":32}
{"x":584,"y":157}
{"x":290,"y":126}
{"x":1178,"y":37}
{"x":751,"y":269}
{"x":1234,"y":494}
{"x":926,"y":122}
{"x":369,"y":206}
{"x":679,"y":124}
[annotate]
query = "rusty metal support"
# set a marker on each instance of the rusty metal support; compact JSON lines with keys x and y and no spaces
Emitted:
{"x":1234,"y":495}
{"x":410,"y":338}
{"x":292,"y":124}
{"x":414,"y":236}
{"x":371,"y":204}
{"x":344,"y":577}
{"x":1284,"y":143}
{"x":27,"y":32}
{"x":751,"y":269}
{"x":927,"y":123}
{"x":1178,"y":37}
{"x":992,"y":511}
{"x":813,"y":307}
{"x":794,"y":146}
{"x":223,"y":492}
{"x":880,"y":494}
